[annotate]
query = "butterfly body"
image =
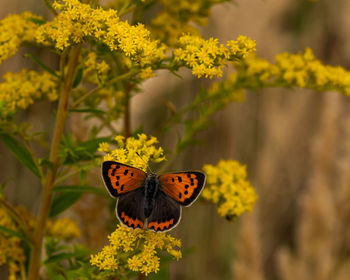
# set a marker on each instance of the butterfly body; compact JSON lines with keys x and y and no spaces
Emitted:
{"x":144,"y":197}
{"x":152,"y":187}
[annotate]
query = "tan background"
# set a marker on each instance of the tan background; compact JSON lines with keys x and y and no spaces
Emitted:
{"x":296,"y":144}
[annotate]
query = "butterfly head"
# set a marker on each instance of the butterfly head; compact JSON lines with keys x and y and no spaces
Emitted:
{"x":151,"y":174}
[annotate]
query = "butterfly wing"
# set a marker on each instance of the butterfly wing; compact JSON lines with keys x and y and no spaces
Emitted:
{"x":165,"y":215}
{"x":130,"y":209}
{"x":121,"y":178}
{"x":183,"y":187}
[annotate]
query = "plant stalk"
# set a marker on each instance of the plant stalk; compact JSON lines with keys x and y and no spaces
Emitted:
{"x":127,"y":128}
{"x":35,"y":257}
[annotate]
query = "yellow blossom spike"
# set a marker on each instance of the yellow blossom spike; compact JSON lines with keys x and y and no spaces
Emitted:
{"x":19,"y":90}
{"x":78,"y":22}
{"x":11,"y":247}
{"x":135,"y":250}
{"x":229,"y":188}
{"x":206,"y":58}
{"x":63,"y":228}
{"x":14,"y":31}
{"x":129,"y":147}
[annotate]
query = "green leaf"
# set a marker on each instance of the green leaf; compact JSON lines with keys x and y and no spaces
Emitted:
{"x":79,"y":189}
{"x":63,"y":256}
{"x":41,"y":64}
{"x":45,"y":162}
{"x":15,"y":234}
{"x":83,"y":174}
{"x":92,"y":144}
{"x":82,"y":151}
{"x":138,"y":131}
{"x":37,"y":20}
{"x":63,"y":202}
{"x":20,"y":152}
{"x":78,"y":77}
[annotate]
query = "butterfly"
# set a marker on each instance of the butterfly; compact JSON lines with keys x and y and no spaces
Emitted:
{"x":144,"y":196}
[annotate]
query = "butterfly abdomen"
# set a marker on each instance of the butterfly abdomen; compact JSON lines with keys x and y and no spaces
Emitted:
{"x":151,"y":188}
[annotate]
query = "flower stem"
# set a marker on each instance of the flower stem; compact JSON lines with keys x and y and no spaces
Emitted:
{"x":34,"y":266}
{"x":127,"y":128}
{"x":112,"y":81}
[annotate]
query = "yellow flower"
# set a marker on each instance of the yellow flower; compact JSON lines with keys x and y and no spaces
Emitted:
{"x":103,"y":147}
{"x":11,"y":248}
{"x":129,"y":147}
{"x":63,"y":228}
{"x":180,"y":16}
{"x":95,"y":70}
{"x":221,"y":94}
{"x":229,"y":188}
{"x":146,"y":73}
{"x":14,"y":31}
{"x":135,"y":250}
{"x":208,"y":57}
{"x":19,"y":90}
{"x":78,"y":22}
{"x":300,"y":70}
{"x":241,"y":47}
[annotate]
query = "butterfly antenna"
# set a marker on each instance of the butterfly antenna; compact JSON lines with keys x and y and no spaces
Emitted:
{"x":145,"y":163}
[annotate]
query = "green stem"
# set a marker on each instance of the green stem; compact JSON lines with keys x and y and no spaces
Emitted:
{"x":112,"y":81}
{"x":23,"y":225}
{"x":49,"y":5}
{"x":23,"y":272}
{"x":127,"y":121}
{"x":51,"y":173}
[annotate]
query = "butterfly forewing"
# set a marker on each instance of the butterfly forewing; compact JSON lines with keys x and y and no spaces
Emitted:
{"x":165,"y":215}
{"x":184,"y":187}
{"x":121,"y":178}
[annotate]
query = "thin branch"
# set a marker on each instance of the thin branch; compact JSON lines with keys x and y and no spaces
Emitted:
{"x":49,"y":5}
{"x":18,"y":219}
{"x":110,"y":82}
{"x":51,"y":173}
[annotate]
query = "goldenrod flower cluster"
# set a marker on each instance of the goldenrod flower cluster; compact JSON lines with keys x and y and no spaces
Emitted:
{"x":14,"y":31}
{"x":19,"y":90}
{"x":78,"y":22}
{"x":208,"y":57}
{"x":226,"y":92}
{"x":301,"y":70}
{"x":135,"y":250}
{"x":63,"y":228}
{"x":229,"y":188}
{"x":128,"y":148}
{"x":11,"y":250}
{"x":11,"y":247}
{"x":241,"y":48}
{"x":98,"y":69}
{"x":179,"y":16}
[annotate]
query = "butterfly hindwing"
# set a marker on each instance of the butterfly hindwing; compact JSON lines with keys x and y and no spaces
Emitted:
{"x":183,"y":187}
{"x":165,"y":215}
{"x":130,"y":209}
{"x":121,"y":178}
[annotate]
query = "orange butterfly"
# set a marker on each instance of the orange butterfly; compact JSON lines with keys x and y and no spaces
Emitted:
{"x":156,"y":199}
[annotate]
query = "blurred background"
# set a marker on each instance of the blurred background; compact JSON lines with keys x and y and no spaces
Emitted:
{"x":295,"y":143}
